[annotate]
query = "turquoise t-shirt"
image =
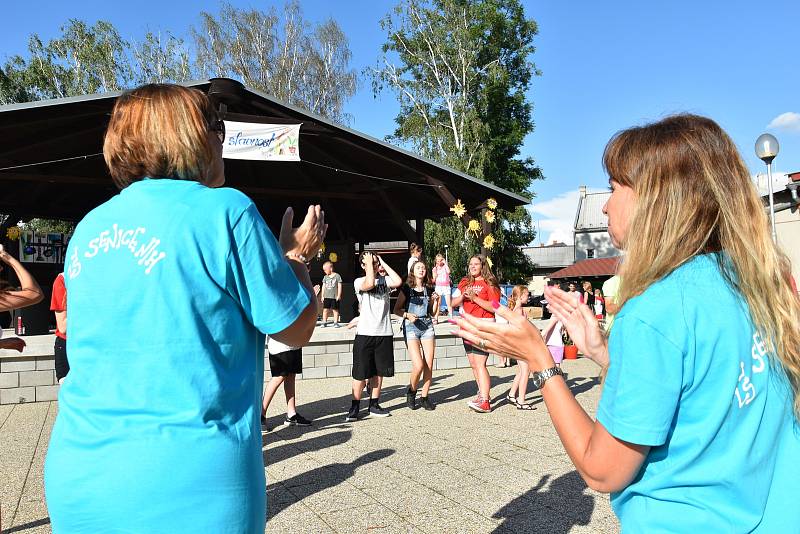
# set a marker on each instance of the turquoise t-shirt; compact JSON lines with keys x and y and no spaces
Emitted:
{"x":171,"y":287}
{"x":690,"y":377}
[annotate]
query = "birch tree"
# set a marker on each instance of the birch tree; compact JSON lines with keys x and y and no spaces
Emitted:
{"x":284,"y":56}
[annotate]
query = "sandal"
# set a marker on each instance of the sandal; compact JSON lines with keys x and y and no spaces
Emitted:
{"x":528,"y":406}
{"x":511,"y":399}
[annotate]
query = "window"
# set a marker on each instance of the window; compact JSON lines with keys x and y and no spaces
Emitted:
{"x":590,"y":253}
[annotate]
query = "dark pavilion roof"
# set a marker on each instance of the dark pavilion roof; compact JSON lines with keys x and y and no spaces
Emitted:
{"x":357,"y":207}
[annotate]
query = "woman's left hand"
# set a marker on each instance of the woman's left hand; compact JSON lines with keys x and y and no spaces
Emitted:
{"x":517,"y":338}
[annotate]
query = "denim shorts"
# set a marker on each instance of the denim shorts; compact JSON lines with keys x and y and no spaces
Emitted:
{"x":422,"y":328}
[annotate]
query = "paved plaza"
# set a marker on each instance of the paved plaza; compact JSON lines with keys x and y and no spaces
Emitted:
{"x":445,"y":471}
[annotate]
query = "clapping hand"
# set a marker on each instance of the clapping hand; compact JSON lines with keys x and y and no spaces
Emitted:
{"x":517,"y":338}
{"x":306,"y":239}
{"x":581,"y":324}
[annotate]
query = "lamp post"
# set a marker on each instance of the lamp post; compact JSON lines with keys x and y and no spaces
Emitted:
{"x":767,"y":148}
{"x":445,"y":254}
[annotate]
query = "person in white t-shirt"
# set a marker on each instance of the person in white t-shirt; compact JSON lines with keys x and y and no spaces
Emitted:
{"x":373,"y":351}
{"x":415,"y":252}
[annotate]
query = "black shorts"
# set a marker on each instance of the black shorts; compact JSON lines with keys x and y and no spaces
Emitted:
{"x":372,"y":356}
{"x":286,"y":363}
{"x":469,"y":348}
{"x":330,"y":304}
{"x":62,"y":364}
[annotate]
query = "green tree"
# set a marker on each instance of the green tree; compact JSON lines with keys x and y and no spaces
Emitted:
{"x":161,"y":58}
{"x":460,"y":70}
{"x":283,"y":56}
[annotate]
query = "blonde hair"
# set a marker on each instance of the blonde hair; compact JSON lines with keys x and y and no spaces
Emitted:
{"x":160,"y":131}
{"x":516,"y":293}
{"x":694,"y":196}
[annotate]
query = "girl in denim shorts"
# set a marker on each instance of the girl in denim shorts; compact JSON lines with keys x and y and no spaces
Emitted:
{"x":416,"y":304}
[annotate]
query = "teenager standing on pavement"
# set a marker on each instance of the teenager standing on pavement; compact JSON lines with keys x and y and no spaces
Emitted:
{"x":415,"y":304}
{"x":479,"y":291}
{"x":373,"y":350}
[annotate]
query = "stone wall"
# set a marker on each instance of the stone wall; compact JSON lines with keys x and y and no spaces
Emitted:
{"x":30,"y":376}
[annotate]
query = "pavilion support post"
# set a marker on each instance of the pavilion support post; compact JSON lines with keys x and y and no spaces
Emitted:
{"x":420,"y":233}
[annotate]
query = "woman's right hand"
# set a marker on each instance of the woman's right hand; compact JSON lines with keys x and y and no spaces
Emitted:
{"x":306,"y":239}
{"x":581,"y":324}
{"x":4,"y":256}
{"x":410,"y":317}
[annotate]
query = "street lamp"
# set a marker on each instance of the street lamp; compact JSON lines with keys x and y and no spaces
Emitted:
{"x":767,"y":148}
{"x":445,"y":254}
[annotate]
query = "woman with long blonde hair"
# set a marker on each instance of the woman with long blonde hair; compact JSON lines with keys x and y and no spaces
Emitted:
{"x":697,"y":426}
{"x":480,"y":295}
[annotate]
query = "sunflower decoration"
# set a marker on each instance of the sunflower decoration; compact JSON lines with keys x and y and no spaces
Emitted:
{"x":491,"y":203}
{"x":488,"y":241}
{"x":489,"y":215}
{"x":474,"y":227}
{"x":13,"y":233}
{"x":333,"y":257}
{"x":459,"y":209}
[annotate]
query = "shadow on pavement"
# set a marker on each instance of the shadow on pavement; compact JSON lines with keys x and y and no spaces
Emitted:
{"x":283,"y":452}
{"x":301,"y":486}
{"x":563,"y":506}
{"x":26,"y":526}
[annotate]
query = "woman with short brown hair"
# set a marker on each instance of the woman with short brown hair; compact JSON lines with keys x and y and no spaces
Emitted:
{"x":172,"y":285}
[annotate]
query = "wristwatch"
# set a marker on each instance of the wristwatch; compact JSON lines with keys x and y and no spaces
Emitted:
{"x":541,"y":377}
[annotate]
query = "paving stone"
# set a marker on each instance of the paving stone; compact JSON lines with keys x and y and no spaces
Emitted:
{"x":447,"y":471}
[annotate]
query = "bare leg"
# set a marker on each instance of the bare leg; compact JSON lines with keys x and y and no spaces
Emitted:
{"x":449,"y":306}
{"x":375,"y":383}
{"x":478,"y":364}
{"x":358,"y":388}
{"x":325,"y":312}
{"x":288,"y":390}
{"x":515,"y":384}
{"x":523,"y":372}
{"x":336,"y":316}
{"x":428,"y":348}
{"x":417,"y":363}
{"x":269,"y":392}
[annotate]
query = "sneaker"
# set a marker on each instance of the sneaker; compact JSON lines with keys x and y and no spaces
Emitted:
{"x":352,"y":415}
{"x":482,"y":406}
{"x":324,"y":325}
{"x":411,"y":399}
{"x":337,"y":325}
{"x":428,"y":404}
{"x":476,"y":400}
{"x":375,"y":410}
{"x":297,"y":420}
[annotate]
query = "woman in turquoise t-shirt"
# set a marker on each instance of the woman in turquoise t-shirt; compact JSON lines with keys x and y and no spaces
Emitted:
{"x":697,"y":426}
{"x":172,"y":285}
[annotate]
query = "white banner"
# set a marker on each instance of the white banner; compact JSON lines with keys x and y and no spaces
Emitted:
{"x":262,"y":142}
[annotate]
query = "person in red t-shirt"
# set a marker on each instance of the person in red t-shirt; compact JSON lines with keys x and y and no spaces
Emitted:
{"x":479,"y":297}
{"x":58,"y":304}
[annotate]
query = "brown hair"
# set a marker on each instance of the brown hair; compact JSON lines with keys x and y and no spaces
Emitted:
{"x":413,"y":247}
{"x":486,"y":272}
{"x":160,"y":131}
{"x":411,"y":280}
{"x":694,"y":195}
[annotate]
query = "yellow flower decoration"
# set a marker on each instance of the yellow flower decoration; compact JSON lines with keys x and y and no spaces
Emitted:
{"x":492,"y":203}
{"x":333,"y":257}
{"x":489,"y":216}
{"x":488,"y":241}
{"x":459,"y":209}
{"x":474,"y":227}
{"x":13,"y":233}
{"x":322,"y":248}
{"x":489,"y":261}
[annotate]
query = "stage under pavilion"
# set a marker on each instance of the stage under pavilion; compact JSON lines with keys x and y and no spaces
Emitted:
{"x":51,"y":167}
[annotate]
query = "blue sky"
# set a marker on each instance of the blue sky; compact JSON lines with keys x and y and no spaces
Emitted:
{"x":605,"y":66}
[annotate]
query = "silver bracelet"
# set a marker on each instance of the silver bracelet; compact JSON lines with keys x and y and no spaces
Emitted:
{"x":298,"y":257}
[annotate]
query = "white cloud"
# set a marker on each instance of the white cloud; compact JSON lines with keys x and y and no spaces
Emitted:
{"x":789,"y":122}
{"x":556,"y":216}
